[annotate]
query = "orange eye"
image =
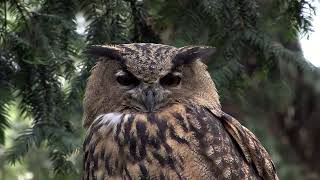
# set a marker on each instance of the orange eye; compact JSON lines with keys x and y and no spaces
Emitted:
{"x":170,"y":80}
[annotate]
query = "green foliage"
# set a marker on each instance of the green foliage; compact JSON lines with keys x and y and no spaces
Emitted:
{"x":44,"y":70}
{"x":5,"y":73}
{"x":42,"y":45}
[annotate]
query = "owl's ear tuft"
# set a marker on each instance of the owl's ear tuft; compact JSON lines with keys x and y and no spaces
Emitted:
{"x":108,"y":51}
{"x":189,"y":54}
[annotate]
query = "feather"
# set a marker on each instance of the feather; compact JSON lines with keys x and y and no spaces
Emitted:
{"x":251,"y":147}
{"x":189,"y":54}
{"x":110,"y":52}
{"x":179,"y":142}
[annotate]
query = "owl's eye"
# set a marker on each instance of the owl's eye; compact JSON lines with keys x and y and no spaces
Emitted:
{"x":171,"y":80}
{"x":127,"y":79}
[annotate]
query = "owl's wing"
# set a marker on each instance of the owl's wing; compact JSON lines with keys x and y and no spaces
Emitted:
{"x":252,"y":149}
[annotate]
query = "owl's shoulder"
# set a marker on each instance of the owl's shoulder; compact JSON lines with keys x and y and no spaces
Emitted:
{"x":251,"y":147}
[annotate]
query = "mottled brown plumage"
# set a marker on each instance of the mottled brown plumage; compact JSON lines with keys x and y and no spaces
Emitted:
{"x":153,"y":112}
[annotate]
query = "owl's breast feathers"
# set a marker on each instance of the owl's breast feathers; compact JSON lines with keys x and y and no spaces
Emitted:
{"x":180,"y":142}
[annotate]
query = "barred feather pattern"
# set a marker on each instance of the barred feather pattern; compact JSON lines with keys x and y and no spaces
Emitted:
{"x":179,"y":142}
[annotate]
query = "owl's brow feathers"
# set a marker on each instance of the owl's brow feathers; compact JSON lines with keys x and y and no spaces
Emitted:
{"x":191,"y":53}
{"x":101,"y":51}
{"x":184,"y":55}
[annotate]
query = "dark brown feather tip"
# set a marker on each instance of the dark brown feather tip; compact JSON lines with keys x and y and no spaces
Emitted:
{"x":190,"y":54}
{"x":100,"y":51}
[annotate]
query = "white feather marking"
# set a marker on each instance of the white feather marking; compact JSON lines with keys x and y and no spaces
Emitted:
{"x":110,"y":118}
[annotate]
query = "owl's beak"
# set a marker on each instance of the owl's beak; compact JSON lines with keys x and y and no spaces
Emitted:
{"x":148,"y":97}
{"x":149,"y":100}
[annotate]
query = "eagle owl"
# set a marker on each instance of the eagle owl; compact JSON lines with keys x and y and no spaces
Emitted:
{"x":152,"y":112}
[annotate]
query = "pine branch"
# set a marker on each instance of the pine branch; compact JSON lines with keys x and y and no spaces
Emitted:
{"x":23,"y":143}
{"x":4,"y":123}
{"x":299,"y":13}
{"x":143,"y":30}
{"x":7,"y":69}
{"x":43,"y":54}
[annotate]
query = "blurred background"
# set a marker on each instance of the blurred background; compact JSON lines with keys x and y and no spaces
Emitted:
{"x":262,"y":75}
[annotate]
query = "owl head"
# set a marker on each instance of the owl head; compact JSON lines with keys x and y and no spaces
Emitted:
{"x":146,"y":77}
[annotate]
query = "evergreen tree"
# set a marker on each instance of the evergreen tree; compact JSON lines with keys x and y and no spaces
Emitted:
{"x":259,"y":68}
